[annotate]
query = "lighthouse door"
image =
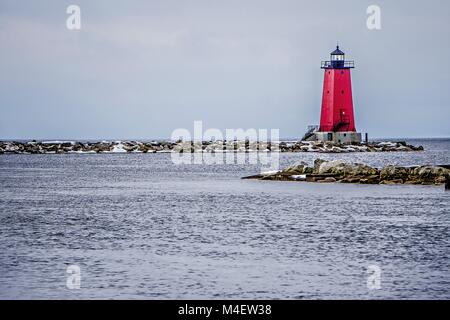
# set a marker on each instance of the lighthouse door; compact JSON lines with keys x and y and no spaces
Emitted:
{"x":330,"y":136}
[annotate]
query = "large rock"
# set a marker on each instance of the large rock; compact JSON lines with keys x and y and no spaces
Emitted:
{"x":340,"y":168}
{"x":429,"y":174}
{"x":298,"y":168}
{"x":359,"y":169}
{"x":335,"y":167}
{"x":373,"y":179}
{"x":390,"y":173}
{"x":317,"y":164}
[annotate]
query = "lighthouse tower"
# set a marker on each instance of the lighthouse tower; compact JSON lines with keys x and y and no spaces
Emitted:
{"x":337,"y":121}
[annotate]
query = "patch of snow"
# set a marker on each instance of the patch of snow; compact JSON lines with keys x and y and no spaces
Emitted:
{"x":81,"y":151}
{"x":118,"y":148}
{"x":387,"y":143}
{"x":11,"y":147}
{"x":57,"y":142}
{"x":268,"y":173}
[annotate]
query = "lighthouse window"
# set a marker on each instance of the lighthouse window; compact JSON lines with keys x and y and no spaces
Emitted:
{"x":342,"y":91}
{"x":342,"y":72}
{"x":328,"y":91}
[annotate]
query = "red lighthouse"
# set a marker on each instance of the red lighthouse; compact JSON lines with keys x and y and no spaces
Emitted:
{"x":337,"y":121}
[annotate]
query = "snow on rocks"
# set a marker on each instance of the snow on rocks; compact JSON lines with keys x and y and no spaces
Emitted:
{"x":118,"y":148}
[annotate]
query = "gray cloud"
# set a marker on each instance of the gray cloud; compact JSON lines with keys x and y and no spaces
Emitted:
{"x":140,"y":69}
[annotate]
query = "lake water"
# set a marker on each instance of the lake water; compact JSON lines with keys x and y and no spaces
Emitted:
{"x":139,"y":226}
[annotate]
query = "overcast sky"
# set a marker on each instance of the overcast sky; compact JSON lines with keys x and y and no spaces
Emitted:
{"x":140,"y":69}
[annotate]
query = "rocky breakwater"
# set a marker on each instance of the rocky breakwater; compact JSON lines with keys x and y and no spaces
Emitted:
{"x":340,"y":171}
{"x":34,"y":147}
{"x":39,"y":147}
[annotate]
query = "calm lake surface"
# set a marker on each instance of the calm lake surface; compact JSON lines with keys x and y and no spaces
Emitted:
{"x":139,"y":226}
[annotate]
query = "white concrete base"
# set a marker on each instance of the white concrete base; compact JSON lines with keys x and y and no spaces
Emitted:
{"x":339,"y":137}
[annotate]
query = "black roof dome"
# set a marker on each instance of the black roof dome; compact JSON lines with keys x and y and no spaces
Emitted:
{"x":337,"y":51}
